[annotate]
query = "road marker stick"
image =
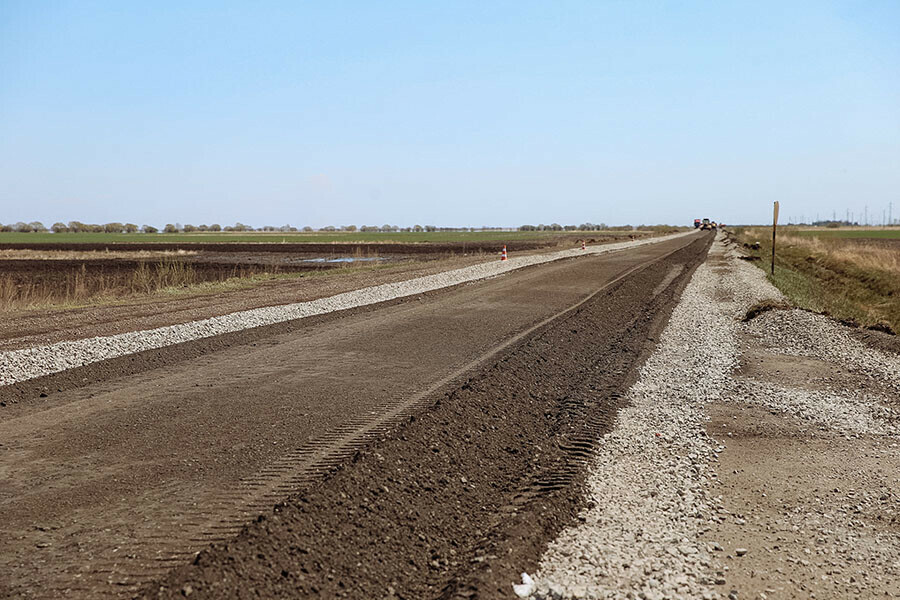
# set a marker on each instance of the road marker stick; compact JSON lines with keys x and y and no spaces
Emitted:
{"x":503,"y":253}
{"x":774,"y":227}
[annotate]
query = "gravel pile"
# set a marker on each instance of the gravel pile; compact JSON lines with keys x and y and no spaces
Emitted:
{"x":21,"y":365}
{"x":649,"y":484}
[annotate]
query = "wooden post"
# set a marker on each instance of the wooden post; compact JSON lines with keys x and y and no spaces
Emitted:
{"x":774,"y":227}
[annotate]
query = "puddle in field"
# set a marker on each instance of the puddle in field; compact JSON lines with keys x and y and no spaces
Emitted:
{"x":342,"y":260}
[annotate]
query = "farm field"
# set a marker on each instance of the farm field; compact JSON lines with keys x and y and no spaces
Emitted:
{"x":872,"y":233}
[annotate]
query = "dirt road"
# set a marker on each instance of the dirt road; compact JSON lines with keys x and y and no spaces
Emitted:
{"x":132,"y":467}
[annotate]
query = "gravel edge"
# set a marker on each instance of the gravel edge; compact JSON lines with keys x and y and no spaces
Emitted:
{"x":651,"y":486}
{"x":649,"y":483}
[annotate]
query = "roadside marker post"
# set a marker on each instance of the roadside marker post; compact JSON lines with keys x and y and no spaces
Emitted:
{"x":582,"y":245}
{"x":503,"y":253}
{"x":774,"y":227}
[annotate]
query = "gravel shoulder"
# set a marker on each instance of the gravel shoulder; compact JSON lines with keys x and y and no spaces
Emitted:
{"x":755,"y":460}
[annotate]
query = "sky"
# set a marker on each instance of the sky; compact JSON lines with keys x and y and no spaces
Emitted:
{"x":448,"y":113}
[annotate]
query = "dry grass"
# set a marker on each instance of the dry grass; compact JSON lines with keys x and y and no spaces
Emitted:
{"x":81,"y":287}
{"x":91,"y":254}
{"x":167,"y":273}
{"x":155,"y":281}
{"x":853,"y":279}
{"x":855,"y":251}
{"x":861,"y":253}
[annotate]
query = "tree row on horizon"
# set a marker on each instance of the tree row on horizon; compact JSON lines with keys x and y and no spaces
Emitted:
{"x":115,"y":227}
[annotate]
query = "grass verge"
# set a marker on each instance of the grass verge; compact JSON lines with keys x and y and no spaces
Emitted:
{"x":847,"y":278}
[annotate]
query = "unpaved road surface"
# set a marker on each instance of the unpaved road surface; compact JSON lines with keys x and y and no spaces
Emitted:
{"x":756,"y":459}
{"x":121,"y":470}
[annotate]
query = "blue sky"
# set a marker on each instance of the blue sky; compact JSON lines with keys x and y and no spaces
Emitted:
{"x":482,"y":113}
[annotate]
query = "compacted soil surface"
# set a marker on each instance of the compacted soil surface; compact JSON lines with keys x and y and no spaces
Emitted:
{"x":458,"y":422}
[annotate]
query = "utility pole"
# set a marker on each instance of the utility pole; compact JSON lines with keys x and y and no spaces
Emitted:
{"x":866,"y":216}
{"x":890,"y":206}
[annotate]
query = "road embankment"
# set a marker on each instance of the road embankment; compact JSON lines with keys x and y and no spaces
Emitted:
{"x":455,"y":501}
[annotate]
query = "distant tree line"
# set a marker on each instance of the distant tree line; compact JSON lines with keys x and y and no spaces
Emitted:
{"x":79,"y":227}
{"x":558,"y":227}
{"x":833,"y":224}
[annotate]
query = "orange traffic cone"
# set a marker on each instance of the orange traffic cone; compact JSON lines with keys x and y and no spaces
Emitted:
{"x":503,"y":253}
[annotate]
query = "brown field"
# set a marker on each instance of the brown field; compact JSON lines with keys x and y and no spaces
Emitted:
{"x":37,"y":283}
